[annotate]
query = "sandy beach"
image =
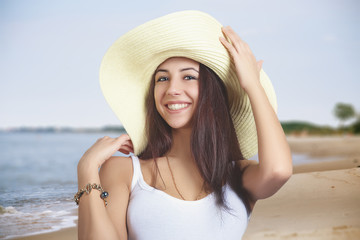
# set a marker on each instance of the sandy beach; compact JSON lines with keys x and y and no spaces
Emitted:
{"x":320,"y":201}
{"x":317,"y":205}
{"x":64,"y":234}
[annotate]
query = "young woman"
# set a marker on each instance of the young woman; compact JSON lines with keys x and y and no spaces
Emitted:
{"x":188,"y":178}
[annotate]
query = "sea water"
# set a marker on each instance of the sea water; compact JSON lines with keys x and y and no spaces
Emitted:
{"x":38,"y":180}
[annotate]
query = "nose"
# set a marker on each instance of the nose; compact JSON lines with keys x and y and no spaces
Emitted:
{"x":175,"y":86}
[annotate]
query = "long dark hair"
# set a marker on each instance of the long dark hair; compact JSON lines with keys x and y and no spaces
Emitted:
{"x":214,"y":143}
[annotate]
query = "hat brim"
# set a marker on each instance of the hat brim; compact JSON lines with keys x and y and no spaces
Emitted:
{"x":128,"y":65}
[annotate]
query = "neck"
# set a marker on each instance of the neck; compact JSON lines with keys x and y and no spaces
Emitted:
{"x":181,"y":145}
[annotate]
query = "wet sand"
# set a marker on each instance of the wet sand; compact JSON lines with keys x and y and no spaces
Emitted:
{"x":320,"y":201}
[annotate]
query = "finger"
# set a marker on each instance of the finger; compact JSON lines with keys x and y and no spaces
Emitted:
{"x":229,"y":39}
{"x":231,"y":33}
{"x":228,"y":46}
{"x":122,"y":138}
{"x":127,"y":144}
{"x":126,"y":149}
{"x":259,"y":64}
{"x":234,"y":38}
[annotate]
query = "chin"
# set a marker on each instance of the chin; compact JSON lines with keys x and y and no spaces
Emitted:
{"x":179,"y":125}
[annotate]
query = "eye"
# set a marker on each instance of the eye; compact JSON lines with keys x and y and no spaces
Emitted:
{"x":162,"y":79}
{"x":189,"y":77}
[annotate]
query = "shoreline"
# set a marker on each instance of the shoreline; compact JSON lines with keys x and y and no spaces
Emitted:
{"x":300,"y":210}
{"x":345,"y":149}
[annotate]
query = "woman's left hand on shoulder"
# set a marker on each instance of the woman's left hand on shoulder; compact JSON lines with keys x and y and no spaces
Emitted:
{"x":247,"y":68}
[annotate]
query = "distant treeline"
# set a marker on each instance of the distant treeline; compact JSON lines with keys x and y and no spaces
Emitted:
{"x":290,"y":128}
{"x":306,"y":128}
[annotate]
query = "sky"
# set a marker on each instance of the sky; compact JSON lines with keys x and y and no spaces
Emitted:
{"x":50,"y":53}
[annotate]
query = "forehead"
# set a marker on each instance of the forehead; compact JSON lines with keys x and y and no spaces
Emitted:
{"x":178,"y":62}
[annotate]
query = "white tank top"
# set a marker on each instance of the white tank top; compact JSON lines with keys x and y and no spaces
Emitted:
{"x":154,"y":214}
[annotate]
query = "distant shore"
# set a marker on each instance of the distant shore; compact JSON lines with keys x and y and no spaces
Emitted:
{"x":291,"y":128}
{"x":320,"y":201}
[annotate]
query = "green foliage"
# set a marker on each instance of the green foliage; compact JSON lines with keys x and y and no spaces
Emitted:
{"x":298,"y":127}
{"x":356,"y":127}
{"x":301,"y":128}
{"x":344,"y":111}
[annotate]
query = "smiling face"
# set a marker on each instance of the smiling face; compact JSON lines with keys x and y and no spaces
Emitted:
{"x":176,"y":91}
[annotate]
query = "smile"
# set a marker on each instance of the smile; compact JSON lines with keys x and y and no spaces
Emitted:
{"x":177,"y":106}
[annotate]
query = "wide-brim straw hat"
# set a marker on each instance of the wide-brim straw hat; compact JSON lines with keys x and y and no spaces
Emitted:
{"x":128,"y":65}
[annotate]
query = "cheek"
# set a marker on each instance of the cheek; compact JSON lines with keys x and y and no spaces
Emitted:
{"x":195,"y":92}
{"x":157,"y":98}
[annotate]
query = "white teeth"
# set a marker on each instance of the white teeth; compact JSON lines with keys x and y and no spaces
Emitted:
{"x":177,"y":106}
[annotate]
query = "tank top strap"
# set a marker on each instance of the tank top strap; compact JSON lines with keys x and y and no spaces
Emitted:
{"x":137,"y":171}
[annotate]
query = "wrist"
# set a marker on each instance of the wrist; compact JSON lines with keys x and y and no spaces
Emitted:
{"x":254,"y":88}
{"x":86,"y":165}
{"x":87,"y":173}
{"x":87,"y":189}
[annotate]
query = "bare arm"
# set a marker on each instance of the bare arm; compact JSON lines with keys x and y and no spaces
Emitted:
{"x":275,"y":165}
{"x":95,"y":220}
{"x":115,"y":176}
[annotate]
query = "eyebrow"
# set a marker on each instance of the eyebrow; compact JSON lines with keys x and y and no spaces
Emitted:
{"x":181,"y":70}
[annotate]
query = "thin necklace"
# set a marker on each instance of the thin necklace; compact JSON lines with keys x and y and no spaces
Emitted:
{"x":172,"y":175}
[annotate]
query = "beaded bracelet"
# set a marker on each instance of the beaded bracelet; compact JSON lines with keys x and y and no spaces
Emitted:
{"x":87,"y":189}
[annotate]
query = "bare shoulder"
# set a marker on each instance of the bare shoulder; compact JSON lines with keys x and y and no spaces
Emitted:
{"x":115,"y":177}
{"x":118,"y":171}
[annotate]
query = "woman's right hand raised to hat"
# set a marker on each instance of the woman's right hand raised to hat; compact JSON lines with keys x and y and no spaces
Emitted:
{"x":102,"y":150}
{"x":247,"y":67}
{"x":274,"y":168}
